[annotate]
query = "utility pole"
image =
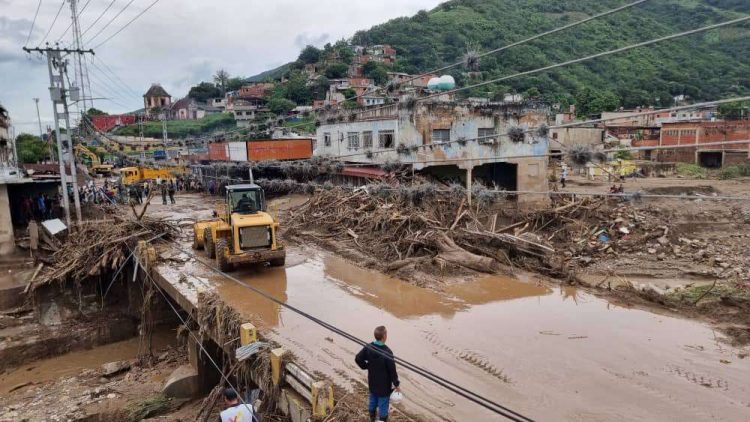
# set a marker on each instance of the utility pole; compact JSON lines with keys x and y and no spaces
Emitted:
{"x":59,"y":95}
{"x":41,"y":133}
{"x":78,"y":62}
{"x":39,"y":118}
{"x":164,"y":132}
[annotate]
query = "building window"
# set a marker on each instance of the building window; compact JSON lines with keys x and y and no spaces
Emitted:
{"x":486,"y":134}
{"x":441,"y":135}
{"x":386,"y":139}
{"x":367,"y":139}
{"x":352,"y":140}
{"x":327,"y":139}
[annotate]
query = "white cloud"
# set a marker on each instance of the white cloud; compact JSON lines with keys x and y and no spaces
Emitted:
{"x":179,"y":43}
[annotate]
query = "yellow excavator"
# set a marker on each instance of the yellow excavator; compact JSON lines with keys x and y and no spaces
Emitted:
{"x":92,"y":161}
{"x":243,"y":232}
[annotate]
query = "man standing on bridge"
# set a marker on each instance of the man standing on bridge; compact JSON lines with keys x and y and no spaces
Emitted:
{"x":377,"y":358}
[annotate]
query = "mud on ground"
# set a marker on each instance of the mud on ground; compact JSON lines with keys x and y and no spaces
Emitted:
{"x":687,"y":256}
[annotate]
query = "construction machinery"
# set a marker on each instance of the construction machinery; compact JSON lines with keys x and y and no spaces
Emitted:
{"x":130,"y":175}
{"x":92,"y":161}
{"x":242,"y":232}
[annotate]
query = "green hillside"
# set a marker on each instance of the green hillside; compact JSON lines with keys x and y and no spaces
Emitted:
{"x":705,"y":66}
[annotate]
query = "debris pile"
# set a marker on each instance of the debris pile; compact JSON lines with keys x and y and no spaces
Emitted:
{"x":411,"y":226}
{"x":94,"y":249}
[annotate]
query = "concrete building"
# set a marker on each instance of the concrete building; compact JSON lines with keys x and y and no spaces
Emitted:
{"x":704,"y":132}
{"x":257,"y":91}
{"x":440,"y":139}
{"x":156,"y":97}
{"x":244,"y":113}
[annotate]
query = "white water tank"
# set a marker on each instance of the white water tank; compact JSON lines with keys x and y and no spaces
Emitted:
{"x":443,"y":83}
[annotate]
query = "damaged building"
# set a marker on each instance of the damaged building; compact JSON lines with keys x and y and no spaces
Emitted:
{"x":453,"y":142}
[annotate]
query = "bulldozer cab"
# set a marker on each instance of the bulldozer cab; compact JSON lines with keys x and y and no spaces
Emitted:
{"x":245,"y":199}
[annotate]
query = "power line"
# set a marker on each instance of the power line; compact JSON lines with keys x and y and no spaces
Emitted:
{"x":97,"y":19}
{"x":128,"y":24}
{"x":33,"y":22}
{"x":593,"y":56}
{"x":122,"y":83}
{"x":62,"y":4}
{"x":532,"y":38}
{"x":497,"y":50}
{"x":110,"y":21}
{"x":80,"y":12}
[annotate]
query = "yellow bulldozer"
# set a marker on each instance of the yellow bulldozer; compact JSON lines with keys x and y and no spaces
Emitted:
{"x":242,"y":232}
{"x":92,"y":161}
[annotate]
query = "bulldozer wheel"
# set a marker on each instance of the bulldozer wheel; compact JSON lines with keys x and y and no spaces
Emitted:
{"x":197,"y":246}
{"x":221,"y":258}
{"x":208,"y":242}
{"x":278,"y":262}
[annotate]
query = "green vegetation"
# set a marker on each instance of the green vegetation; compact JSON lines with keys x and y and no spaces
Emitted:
{"x":181,"y":128}
{"x":336,"y":71}
{"x":304,"y":125}
{"x":95,"y":112}
{"x":204,"y":91}
{"x":705,"y":66}
{"x":31,"y":149}
{"x":733,"y":172}
{"x":708,"y":292}
{"x":735,"y":111}
{"x":691,"y":170}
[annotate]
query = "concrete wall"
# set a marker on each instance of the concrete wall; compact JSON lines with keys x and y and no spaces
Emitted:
{"x":7,"y":240}
{"x":575,"y":136}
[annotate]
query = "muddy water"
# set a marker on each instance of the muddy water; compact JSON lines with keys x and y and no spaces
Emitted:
{"x":73,"y":363}
{"x":551,"y":353}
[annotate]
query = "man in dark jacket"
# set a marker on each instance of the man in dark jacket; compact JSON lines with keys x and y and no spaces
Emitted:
{"x":377,"y":358}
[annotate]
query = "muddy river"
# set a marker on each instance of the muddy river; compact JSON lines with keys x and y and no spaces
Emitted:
{"x":548,"y":352}
{"x":73,"y":363}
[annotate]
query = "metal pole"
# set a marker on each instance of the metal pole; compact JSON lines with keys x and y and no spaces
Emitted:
{"x":39,"y":118}
{"x":63,"y":182}
{"x":71,"y":154}
{"x":78,"y":62}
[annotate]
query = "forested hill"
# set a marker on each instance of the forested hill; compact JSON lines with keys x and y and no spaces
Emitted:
{"x":705,"y":66}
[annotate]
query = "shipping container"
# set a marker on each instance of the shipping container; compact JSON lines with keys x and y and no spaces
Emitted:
{"x":160,"y":154}
{"x":218,"y":152}
{"x":279,"y":149}
{"x":238,"y":151}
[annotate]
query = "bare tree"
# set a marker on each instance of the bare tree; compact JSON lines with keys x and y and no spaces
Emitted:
{"x":221,"y":79}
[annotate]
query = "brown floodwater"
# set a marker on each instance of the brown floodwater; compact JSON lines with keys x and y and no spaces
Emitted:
{"x":73,"y":363}
{"x":548,"y":352}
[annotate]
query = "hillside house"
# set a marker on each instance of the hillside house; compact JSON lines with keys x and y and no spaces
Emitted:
{"x":440,"y":139}
{"x":156,"y":98}
{"x":244,"y":113}
{"x":255,"y":92}
{"x":382,"y":53}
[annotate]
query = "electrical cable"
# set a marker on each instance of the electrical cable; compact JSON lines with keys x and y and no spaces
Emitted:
{"x":127,"y":24}
{"x":449,"y":385}
{"x":506,"y":47}
{"x":117,"y":81}
{"x":593,"y":56}
{"x":98,"y":18}
{"x":109,"y":22}
{"x":78,"y":15}
{"x":517,"y":43}
{"x":62,"y":4}
{"x":111,"y":72}
{"x":33,"y":22}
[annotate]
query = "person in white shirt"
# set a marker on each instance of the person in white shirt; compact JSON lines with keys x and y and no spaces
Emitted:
{"x":235,"y":411}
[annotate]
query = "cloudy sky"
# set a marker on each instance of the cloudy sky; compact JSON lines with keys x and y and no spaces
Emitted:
{"x":176,"y":43}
